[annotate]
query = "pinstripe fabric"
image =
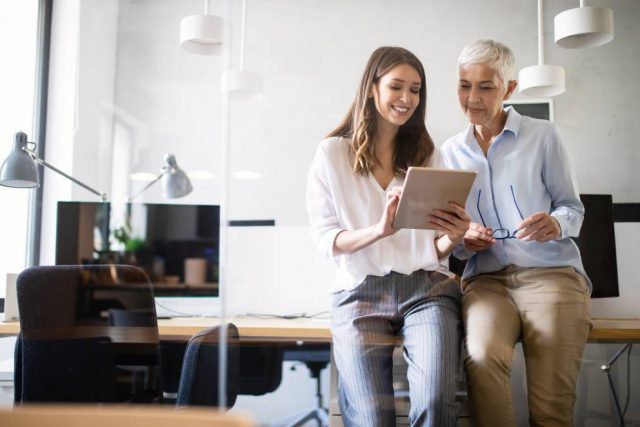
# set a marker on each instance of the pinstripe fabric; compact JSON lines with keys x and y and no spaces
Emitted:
{"x":424,"y":309}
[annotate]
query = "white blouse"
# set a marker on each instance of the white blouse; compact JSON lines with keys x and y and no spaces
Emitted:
{"x":338,"y":199}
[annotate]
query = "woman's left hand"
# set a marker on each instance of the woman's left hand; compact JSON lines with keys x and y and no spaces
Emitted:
{"x":454,"y":223}
{"x":540,"y":227}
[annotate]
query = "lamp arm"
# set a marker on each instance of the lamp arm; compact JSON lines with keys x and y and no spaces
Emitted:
{"x":103,"y":196}
{"x":147,"y":186}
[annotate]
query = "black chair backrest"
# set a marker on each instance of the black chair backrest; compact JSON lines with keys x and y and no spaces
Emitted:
{"x":260,"y":368}
{"x":200,"y":374}
{"x":52,"y":374}
{"x":46,"y":299}
{"x":252,"y":369}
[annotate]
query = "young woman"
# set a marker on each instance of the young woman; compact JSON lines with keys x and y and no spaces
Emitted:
{"x":524,"y":279}
{"x":390,"y":282}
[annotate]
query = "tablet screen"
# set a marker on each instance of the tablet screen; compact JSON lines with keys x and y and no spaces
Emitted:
{"x":426,"y":189}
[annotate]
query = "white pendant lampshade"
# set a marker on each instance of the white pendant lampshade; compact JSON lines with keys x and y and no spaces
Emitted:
{"x":202,"y":33}
{"x":541,"y":81}
{"x":242,"y":84}
{"x":585,"y":26}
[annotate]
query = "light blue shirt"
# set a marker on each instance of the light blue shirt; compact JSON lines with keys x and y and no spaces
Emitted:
{"x":526,"y":170}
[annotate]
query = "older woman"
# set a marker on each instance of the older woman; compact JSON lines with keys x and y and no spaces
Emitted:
{"x":524,"y":278}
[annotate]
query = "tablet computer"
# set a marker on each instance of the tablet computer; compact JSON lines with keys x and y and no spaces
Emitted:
{"x":426,"y":189}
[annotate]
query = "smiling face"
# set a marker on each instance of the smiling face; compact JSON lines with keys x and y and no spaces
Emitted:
{"x":481,"y":92}
{"x":397,"y":94}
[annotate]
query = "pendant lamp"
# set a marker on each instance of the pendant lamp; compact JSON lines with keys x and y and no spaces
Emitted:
{"x":202,"y":33}
{"x":242,"y":83}
{"x":585,"y":26}
{"x":542,"y":80}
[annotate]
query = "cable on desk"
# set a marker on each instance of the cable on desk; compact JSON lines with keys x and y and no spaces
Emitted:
{"x":303,"y":315}
{"x":319,"y":315}
{"x":184,"y":313}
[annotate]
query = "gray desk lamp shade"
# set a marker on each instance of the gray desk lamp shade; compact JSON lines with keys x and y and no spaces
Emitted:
{"x":175,"y":182}
{"x":19,"y":169}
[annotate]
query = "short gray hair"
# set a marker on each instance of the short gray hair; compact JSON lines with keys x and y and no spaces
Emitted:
{"x":492,"y":53}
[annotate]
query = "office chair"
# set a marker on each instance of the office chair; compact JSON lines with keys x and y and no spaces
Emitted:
{"x":66,"y":339}
{"x":199,"y":376}
{"x":260,"y":368}
{"x":48,"y":373}
{"x":252,"y":369}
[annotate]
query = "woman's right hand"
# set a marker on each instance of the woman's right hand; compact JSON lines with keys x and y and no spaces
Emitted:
{"x":349,"y":241}
{"x":384,"y":227}
{"x":478,"y":238}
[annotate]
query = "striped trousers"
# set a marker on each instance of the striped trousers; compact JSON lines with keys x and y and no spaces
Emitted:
{"x":424,"y":309}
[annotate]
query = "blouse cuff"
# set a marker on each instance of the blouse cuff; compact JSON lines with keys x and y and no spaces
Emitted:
{"x":327,"y":242}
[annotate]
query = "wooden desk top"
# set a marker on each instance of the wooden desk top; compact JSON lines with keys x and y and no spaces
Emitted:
{"x":252,"y":328}
{"x":291,"y":330}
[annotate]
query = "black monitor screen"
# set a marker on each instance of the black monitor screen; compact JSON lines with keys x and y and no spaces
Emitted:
{"x":537,"y":110}
{"x":160,"y":238}
{"x":597,"y":243}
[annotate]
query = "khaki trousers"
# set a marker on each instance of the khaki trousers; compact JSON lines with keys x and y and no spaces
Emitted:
{"x":548,"y":309}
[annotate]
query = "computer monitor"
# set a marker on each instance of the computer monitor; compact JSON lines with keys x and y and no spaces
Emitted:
{"x":160,"y":238}
{"x":597,"y":243}
{"x":536,"y":108}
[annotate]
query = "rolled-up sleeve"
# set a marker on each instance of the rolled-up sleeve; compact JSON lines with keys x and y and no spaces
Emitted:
{"x":321,"y":207}
{"x":559,"y":177}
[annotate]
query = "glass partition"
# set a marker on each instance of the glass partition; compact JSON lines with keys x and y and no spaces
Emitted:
{"x":124,"y":94}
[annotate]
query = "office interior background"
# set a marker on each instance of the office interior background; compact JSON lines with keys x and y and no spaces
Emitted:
{"x":122,"y":93}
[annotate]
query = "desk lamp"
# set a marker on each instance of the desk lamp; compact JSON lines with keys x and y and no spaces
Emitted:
{"x":175,"y":182}
{"x":19,"y":169}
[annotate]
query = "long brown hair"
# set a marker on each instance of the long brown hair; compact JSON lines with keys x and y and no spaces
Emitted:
{"x":413,"y":145}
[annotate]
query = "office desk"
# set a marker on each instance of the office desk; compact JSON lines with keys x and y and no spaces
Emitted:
{"x":250,"y":329}
{"x":309,"y":330}
{"x":289,"y":331}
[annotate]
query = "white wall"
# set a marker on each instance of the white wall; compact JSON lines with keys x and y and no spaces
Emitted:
{"x":311,"y":78}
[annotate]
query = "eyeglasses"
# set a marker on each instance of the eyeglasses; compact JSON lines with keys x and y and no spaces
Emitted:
{"x":501,"y":233}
